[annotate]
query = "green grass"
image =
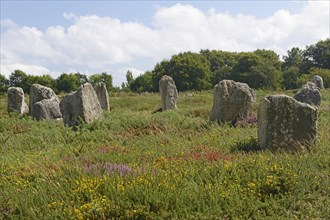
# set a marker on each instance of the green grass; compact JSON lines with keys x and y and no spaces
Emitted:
{"x":168,"y":165}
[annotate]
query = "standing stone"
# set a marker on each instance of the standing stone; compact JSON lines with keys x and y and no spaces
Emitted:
{"x":309,"y":93}
{"x":44,"y":103}
{"x":16,"y":102}
{"x":82,"y":104}
{"x":232,"y":101}
{"x":102,"y":95}
{"x":47,"y":109}
{"x":318,"y":81}
{"x":283,"y":122}
{"x":168,"y":92}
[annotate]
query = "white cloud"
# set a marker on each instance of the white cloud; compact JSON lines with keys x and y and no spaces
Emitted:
{"x":30,"y":69}
{"x":7,"y":23}
{"x":119,"y":75}
{"x":95,"y":44}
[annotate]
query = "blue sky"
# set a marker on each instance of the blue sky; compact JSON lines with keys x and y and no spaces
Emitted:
{"x":51,"y":37}
{"x":43,"y":14}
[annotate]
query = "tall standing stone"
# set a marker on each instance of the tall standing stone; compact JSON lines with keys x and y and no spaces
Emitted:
{"x":16,"y":102}
{"x":44,"y":103}
{"x":283,"y":122}
{"x":168,"y":92}
{"x":82,"y":104}
{"x":232,"y":101}
{"x":102,"y":95}
{"x":318,"y":81}
{"x":309,"y":93}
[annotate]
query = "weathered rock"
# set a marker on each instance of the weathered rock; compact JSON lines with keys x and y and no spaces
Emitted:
{"x":39,"y":92}
{"x":232,"y":101}
{"x":47,"y":109}
{"x":16,"y":102}
{"x":309,"y":93}
{"x":102,"y":95}
{"x":283,"y":122}
{"x":44,"y":103}
{"x":318,"y":81}
{"x":168,"y":93}
{"x":81,"y":105}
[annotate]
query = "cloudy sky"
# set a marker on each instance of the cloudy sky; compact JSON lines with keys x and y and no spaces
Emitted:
{"x":52,"y":37}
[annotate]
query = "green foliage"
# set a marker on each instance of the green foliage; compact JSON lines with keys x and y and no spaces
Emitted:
{"x":142,"y":83}
{"x":103,"y":77}
{"x":260,"y":69}
{"x":290,"y":77}
{"x":299,"y":64}
{"x":221,"y":64}
{"x":129,"y":78}
{"x":317,"y":56}
{"x":249,"y":145}
{"x":45,"y":80}
{"x":293,"y":59}
{"x":167,"y":165}
{"x":19,"y":79}
{"x":324,"y":73}
{"x":70,"y":82}
{"x":4,"y":83}
{"x":190,"y":71}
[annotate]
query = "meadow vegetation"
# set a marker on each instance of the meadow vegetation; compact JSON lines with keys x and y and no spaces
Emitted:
{"x":136,"y":164}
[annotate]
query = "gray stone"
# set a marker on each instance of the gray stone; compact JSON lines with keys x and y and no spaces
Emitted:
{"x":16,"y":102}
{"x":44,"y":103}
{"x":283,"y":122}
{"x":232,"y":101}
{"x":39,"y":92}
{"x":318,"y":81}
{"x":46,"y":109}
{"x":82,"y":104}
{"x":102,"y":95}
{"x":309,"y":93}
{"x":168,"y":93}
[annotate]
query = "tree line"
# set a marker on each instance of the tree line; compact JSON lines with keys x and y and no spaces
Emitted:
{"x":260,"y":69}
{"x":64,"y":83}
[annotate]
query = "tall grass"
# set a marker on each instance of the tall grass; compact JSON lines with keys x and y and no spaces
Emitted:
{"x":136,"y":164}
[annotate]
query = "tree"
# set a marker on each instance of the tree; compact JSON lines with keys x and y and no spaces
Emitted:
{"x":19,"y":79}
{"x":129,"y":78}
{"x":264,"y":75}
{"x":259,"y":69}
{"x":95,"y":78}
{"x":221,"y":64}
{"x":103,"y":77}
{"x":190,"y":71}
{"x":317,"y":56}
{"x":324,"y":73}
{"x":290,"y":77}
{"x":82,"y":78}
{"x":292,"y":68}
{"x":143,"y":83}
{"x":107,"y":79}
{"x":67,"y":82}
{"x":4,"y":83}
{"x":301,"y":62}
{"x":245,"y":62}
{"x":294,"y":58}
{"x":45,"y":80}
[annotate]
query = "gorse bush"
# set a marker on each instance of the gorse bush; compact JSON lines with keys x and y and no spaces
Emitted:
{"x":136,"y":164}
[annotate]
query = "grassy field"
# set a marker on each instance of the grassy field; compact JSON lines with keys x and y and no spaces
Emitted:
{"x":167,"y":165}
